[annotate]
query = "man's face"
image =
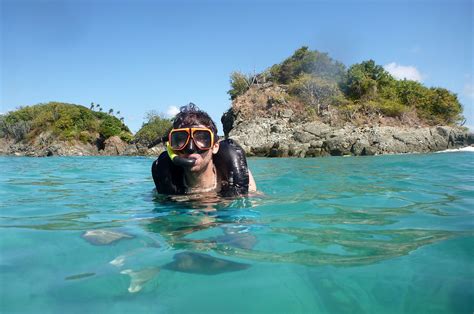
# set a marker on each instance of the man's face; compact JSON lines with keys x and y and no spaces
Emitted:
{"x":203,"y":158}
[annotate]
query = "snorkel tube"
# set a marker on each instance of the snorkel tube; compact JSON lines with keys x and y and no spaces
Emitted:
{"x":177,"y":160}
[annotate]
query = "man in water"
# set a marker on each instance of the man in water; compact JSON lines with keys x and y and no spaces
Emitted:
{"x":192,"y":145}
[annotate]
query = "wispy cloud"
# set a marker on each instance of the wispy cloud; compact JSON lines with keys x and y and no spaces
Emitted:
{"x":415,"y":49}
{"x":469,"y":90}
{"x":401,"y":72}
{"x":172,"y":111}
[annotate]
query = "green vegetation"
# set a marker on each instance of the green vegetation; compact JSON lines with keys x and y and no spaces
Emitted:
{"x":318,"y":82}
{"x":240,"y":83}
{"x":64,"y":121}
{"x":154,"y":129}
{"x":368,"y":81}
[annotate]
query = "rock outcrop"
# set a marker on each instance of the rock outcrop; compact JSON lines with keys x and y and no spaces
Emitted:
{"x":281,"y":137}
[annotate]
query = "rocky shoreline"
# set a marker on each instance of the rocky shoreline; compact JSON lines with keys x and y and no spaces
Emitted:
{"x":280,"y":137}
{"x":275,"y":137}
{"x":113,"y":146}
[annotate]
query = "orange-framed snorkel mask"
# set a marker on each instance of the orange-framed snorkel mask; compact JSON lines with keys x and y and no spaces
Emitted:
{"x":188,"y":140}
{"x":202,"y":138}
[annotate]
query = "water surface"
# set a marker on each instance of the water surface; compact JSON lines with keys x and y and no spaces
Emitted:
{"x":384,"y":234}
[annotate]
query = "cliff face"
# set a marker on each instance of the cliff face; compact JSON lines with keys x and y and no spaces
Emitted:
{"x":283,"y":135}
{"x":279,"y":138}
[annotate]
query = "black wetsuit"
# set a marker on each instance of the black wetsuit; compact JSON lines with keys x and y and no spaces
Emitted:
{"x":230,"y":163}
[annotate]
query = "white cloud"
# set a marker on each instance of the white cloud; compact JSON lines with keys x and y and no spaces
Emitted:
{"x":469,"y":90}
{"x":415,"y":49}
{"x":401,"y":72}
{"x":172,"y":111}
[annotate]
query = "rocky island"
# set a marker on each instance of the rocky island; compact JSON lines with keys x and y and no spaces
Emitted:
{"x":310,"y":105}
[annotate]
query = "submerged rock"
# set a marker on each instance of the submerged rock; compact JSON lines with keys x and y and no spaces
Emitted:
{"x":104,"y":237}
{"x":237,"y":240}
{"x":199,"y":263}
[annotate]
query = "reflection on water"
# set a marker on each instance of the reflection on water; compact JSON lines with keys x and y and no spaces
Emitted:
{"x":139,"y":278}
{"x":359,"y":248}
{"x":354,"y":246}
{"x":104,"y":237}
{"x":236,"y":228}
{"x":68,"y":221}
{"x":199,"y":263}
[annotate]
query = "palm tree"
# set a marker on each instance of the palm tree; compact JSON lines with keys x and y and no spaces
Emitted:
{"x":92,"y":106}
{"x":118,"y":112}
{"x":111,"y":111}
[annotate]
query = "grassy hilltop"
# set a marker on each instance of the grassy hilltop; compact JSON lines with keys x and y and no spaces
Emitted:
{"x":315,"y":86}
{"x":62,"y":121}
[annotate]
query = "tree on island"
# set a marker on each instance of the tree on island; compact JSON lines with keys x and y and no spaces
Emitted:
{"x":154,"y":129}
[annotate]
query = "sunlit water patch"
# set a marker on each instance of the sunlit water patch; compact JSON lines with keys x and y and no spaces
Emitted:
{"x":386,"y":234}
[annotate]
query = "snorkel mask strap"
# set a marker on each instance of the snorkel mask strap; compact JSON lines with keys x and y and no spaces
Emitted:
{"x":179,"y":161}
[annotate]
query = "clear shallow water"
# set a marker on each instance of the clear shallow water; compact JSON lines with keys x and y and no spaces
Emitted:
{"x":386,"y":234}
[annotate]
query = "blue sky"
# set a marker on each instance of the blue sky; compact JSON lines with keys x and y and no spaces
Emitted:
{"x":137,"y":56}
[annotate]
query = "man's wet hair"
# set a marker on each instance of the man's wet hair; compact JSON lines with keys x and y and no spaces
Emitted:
{"x":190,"y":115}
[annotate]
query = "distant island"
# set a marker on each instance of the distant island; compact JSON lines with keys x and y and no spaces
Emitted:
{"x":308,"y":105}
{"x":61,"y":129}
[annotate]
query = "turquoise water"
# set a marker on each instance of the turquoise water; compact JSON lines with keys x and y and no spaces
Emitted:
{"x":385,"y":234}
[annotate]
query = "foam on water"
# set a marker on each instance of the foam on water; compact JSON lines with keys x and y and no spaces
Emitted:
{"x":385,"y":234}
{"x":463,"y":149}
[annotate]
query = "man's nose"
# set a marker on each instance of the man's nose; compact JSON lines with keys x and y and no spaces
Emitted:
{"x":191,"y":147}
